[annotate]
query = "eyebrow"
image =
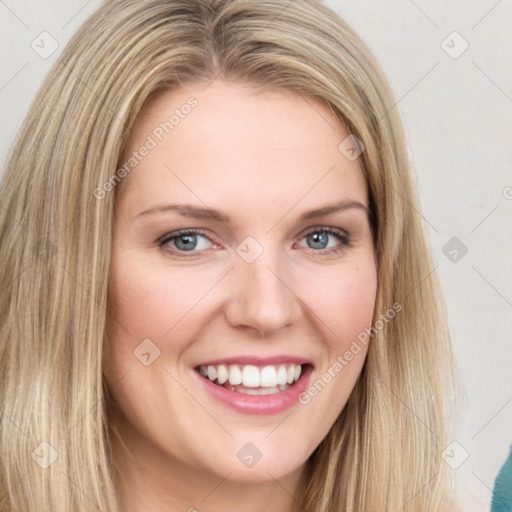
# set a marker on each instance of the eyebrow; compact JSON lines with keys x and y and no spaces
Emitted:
{"x":197,"y":212}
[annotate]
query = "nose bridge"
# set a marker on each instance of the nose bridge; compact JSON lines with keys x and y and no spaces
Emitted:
{"x":263,"y":297}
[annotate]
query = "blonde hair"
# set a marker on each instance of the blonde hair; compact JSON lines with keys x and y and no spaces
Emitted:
{"x":384,"y":450}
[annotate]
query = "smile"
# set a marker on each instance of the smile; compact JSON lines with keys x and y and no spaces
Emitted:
{"x":251,"y":379}
{"x":253,"y":384}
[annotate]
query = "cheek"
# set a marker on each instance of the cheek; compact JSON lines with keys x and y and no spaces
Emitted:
{"x":147,"y":300}
{"x":137,"y":311}
{"x":345,"y":304}
{"x":344,"y":308}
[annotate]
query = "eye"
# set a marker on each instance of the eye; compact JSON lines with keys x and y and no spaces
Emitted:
{"x":188,"y":240}
{"x":322,"y":240}
{"x":319,"y":240}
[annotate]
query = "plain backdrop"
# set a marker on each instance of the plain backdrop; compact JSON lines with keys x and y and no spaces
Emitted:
{"x":449,"y":65}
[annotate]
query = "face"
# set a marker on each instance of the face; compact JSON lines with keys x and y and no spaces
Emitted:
{"x":242,"y":251}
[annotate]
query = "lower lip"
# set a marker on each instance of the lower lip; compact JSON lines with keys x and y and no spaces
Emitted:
{"x":259,"y":404}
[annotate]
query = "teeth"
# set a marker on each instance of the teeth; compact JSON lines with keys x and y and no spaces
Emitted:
{"x":290,"y":374}
{"x":282,"y":375}
{"x":264,"y":380}
{"x":235,"y":375}
{"x":250,"y":376}
{"x":222,"y":374}
{"x":212,"y":373}
{"x":268,"y":377}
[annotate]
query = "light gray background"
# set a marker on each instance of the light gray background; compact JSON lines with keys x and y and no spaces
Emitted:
{"x":458,"y":118}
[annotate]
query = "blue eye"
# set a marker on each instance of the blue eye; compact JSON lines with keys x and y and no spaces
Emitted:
{"x":318,"y":238}
{"x":192,"y":241}
{"x":184,"y":241}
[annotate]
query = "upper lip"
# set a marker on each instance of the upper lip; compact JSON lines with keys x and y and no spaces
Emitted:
{"x":257,"y":360}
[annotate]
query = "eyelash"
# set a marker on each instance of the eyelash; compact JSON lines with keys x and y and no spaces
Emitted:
{"x":344,"y":239}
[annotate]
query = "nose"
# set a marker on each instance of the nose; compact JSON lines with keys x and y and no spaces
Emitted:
{"x":263,"y":296}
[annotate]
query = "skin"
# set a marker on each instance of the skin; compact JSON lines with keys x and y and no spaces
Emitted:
{"x":263,"y":159}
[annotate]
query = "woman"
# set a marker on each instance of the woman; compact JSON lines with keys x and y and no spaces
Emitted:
{"x":298,"y":357}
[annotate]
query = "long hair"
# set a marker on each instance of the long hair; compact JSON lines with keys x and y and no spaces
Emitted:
{"x":384,"y":452}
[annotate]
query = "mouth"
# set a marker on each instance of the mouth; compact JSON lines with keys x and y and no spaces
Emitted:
{"x":255,"y":379}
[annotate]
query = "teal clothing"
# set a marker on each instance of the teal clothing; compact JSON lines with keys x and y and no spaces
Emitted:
{"x":502,"y":493}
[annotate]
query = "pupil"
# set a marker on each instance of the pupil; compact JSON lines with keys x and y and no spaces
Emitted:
{"x":188,"y":242}
{"x":319,"y":238}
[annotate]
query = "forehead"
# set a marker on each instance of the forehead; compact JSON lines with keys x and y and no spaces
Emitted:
{"x":227,"y":145}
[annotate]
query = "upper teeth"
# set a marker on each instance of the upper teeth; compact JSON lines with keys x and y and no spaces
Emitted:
{"x":252,"y":376}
